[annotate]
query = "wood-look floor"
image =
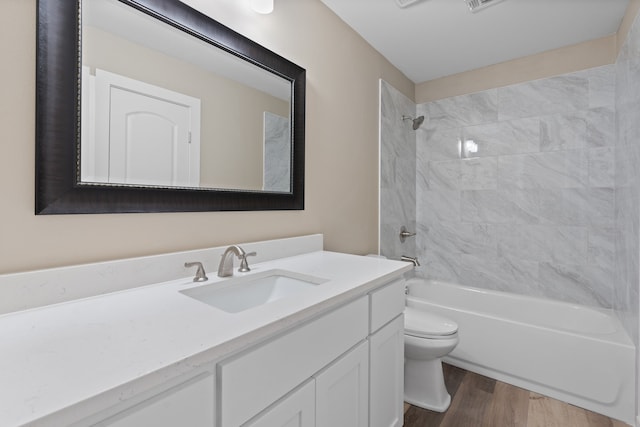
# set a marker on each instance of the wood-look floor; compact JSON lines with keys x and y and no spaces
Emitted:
{"x":478,"y":401}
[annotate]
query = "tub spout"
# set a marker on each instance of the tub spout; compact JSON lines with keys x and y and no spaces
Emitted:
{"x":413,"y":260}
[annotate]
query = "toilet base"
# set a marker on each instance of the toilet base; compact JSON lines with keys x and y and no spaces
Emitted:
{"x":427,"y":405}
{"x":424,"y":385}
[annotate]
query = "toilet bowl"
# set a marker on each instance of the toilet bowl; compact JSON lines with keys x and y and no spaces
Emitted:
{"x":427,"y":338}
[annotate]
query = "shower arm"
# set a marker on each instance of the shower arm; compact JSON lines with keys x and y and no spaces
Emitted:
{"x":417,"y":121}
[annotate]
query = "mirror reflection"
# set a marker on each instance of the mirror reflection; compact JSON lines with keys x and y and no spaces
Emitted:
{"x":163,"y":108}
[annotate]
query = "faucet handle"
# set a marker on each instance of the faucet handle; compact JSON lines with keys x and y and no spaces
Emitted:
{"x":244,"y":266}
{"x":201,"y":275}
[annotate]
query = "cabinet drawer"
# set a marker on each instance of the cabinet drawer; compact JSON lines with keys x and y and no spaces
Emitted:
{"x":190,"y":403}
{"x":252,"y":381}
{"x":386,"y":303}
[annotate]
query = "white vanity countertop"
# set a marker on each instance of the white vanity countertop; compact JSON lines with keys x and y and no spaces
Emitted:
{"x":111,"y":347}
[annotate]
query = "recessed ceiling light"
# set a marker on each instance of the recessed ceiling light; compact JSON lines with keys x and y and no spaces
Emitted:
{"x":405,"y":3}
{"x":262,"y":6}
{"x":476,"y":5}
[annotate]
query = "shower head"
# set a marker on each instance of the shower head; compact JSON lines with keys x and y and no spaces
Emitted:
{"x":416,"y":121}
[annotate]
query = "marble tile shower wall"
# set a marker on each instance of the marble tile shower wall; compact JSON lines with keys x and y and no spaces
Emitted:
{"x":277,"y":153}
{"x":397,"y":172}
{"x":532,"y":211}
{"x":627,"y":158}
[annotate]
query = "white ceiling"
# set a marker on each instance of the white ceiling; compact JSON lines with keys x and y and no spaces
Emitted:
{"x":436,"y":38}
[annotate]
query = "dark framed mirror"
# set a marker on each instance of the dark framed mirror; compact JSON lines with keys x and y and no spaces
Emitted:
{"x":232,"y":170}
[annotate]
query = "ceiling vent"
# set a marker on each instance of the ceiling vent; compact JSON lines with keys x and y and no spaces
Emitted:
{"x":405,"y":3}
{"x":476,"y":5}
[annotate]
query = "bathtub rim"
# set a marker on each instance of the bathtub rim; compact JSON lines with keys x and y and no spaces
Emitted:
{"x":618,"y":336}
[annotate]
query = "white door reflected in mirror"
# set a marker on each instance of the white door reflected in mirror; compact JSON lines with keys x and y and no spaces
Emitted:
{"x":141,"y":135}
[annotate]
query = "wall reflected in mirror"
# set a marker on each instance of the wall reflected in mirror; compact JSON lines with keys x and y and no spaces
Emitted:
{"x":163,"y":108}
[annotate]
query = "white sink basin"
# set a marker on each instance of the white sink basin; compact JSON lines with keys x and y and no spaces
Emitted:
{"x":242,"y":293}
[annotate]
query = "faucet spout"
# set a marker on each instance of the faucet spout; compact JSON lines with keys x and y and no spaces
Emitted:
{"x":225,"y":269}
{"x":413,"y":260}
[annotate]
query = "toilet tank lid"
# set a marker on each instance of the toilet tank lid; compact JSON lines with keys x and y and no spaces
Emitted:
{"x":430,"y":325}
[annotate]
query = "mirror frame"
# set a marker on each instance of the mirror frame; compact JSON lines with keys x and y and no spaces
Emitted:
{"x":58,"y":80}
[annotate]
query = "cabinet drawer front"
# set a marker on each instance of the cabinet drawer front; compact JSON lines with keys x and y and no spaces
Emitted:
{"x":252,"y":381}
{"x":189,"y":404}
{"x":387,"y":303}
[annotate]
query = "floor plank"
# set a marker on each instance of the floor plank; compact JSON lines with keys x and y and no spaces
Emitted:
{"x":509,"y":407}
{"x":598,"y":420}
{"x":473,"y":398}
{"x":479,"y":401}
{"x":547,"y":412}
{"x":453,"y":377}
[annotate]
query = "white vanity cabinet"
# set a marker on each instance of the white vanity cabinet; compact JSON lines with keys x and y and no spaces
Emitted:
{"x":343,"y":369}
{"x":253,"y":380}
{"x":338,"y":396}
{"x":137,"y":351}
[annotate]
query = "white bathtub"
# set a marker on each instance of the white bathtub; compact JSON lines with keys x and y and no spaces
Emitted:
{"x":569,"y":352}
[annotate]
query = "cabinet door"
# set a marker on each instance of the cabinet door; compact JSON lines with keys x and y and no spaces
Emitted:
{"x":342,"y":398}
{"x":387,"y":375}
{"x":295,"y":410}
{"x":189,"y":404}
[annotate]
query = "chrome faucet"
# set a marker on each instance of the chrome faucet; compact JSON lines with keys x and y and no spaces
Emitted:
{"x":413,"y":260}
{"x":225,"y":269}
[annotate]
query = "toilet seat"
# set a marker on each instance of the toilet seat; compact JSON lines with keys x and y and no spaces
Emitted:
{"x":422,"y":324}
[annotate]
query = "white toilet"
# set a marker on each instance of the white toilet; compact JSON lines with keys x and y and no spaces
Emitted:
{"x":427,"y":338}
